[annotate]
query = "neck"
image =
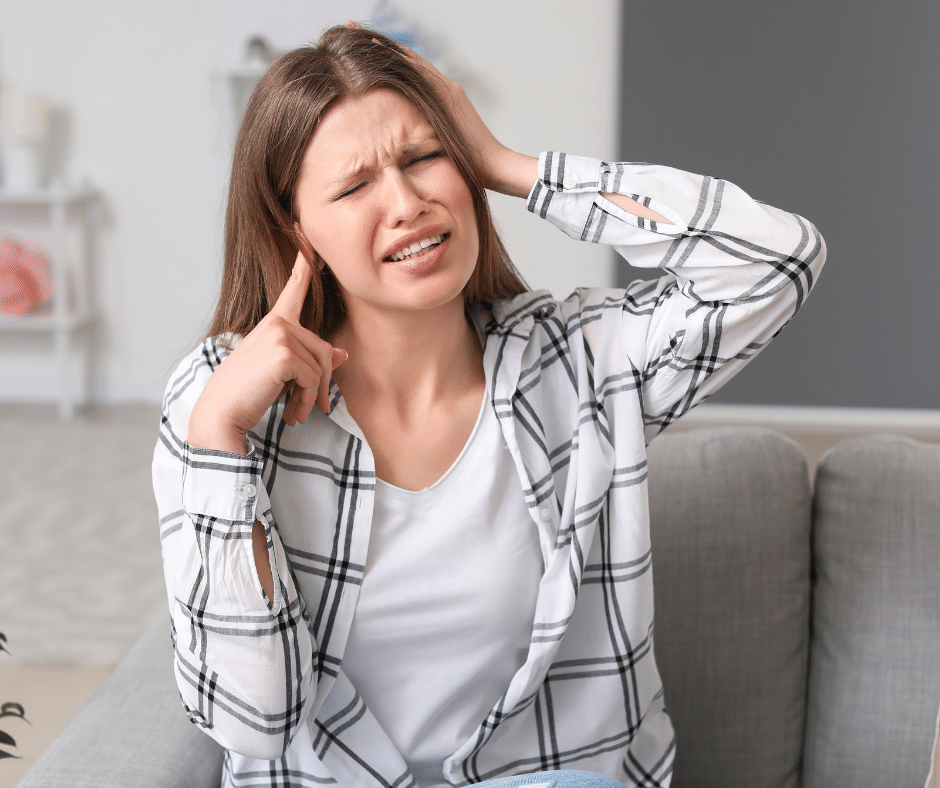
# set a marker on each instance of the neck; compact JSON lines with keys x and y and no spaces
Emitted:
{"x":409,"y":360}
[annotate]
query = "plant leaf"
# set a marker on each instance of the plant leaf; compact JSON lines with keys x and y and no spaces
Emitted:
{"x":17,"y":711}
{"x":9,"y":755}
{"x":6,"y":738}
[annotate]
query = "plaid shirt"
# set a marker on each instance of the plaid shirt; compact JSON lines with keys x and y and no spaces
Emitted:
{"x":579,"y":386}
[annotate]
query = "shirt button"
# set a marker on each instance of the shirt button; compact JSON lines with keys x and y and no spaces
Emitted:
{"x":248,"y":490}
{"x":570,"y":182}
{"x":545,"y":515}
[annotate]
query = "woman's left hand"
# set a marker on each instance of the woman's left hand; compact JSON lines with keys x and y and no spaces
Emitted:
{"x":501,"y":169}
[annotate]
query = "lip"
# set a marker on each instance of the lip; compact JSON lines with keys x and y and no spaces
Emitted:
{"x":423,"y":262}
{"x":413,"y":238}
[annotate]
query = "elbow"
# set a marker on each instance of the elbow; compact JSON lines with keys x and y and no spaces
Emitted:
{"x":814,"y":255}
{"x":806,"y":263}
{"x":255,"y":728}
{"x":261,"y":748}
{"x":263,"y":745}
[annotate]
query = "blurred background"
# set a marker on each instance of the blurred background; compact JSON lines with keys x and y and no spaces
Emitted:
{"x":116,"y":125}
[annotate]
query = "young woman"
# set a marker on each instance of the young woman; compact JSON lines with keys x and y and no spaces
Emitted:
{"x":402,"y":498}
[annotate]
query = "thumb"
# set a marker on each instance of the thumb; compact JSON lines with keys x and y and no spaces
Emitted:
{"x":339,"y":356}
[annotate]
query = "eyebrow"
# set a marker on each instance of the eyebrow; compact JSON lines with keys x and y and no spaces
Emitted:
{"x":405,"y":152}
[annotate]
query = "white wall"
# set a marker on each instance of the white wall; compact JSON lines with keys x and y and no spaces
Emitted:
{"x":147,"y":128}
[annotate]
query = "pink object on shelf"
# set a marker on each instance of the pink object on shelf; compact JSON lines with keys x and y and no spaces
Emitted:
{"x":25,"y":278}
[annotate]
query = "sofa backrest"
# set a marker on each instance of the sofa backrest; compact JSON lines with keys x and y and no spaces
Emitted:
{"x":730,"y":517}
{"x":875,"y":660}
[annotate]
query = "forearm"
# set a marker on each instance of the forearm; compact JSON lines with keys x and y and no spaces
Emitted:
{"x":245,"y":659}
{"x":259,"y":546}
{"x":510,"y":173}
{"x":513,"y":174}
{"x":246,"y":662}
{"x":207,"y":431}
{"x":714,"y":228}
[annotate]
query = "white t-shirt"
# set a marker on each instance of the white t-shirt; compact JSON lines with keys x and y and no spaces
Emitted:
{"x":447,"y":602}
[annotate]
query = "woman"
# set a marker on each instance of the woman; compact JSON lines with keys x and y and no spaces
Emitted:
{"x":413,"y":547}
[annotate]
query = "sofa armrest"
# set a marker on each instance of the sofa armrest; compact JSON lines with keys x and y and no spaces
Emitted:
{"x":133,"y":732}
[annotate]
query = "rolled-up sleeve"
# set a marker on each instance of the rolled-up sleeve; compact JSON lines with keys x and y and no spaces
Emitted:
{"x":734,"y":269}
{"x":244,"y":663}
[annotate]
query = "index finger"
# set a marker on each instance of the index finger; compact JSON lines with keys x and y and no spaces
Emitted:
{"x":291,"y":300}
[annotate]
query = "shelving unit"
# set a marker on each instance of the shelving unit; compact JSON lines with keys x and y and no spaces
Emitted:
{"x":71,"y":312}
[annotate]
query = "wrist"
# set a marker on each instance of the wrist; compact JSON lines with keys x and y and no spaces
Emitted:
{"x":207,"y":433}
{"x":512,"y":173}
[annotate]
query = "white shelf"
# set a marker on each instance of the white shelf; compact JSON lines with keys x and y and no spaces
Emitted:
{"x":46,"y":197}
{"x":63,"y":322}
{"x":45,"y":322}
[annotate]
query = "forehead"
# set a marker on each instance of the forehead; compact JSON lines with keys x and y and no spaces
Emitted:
{"x":365,"y":132}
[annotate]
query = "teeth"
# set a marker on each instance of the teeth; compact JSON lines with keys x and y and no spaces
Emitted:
{"x":434,"y":240}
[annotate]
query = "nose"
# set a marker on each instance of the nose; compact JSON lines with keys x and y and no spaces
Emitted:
{"x":405,"y":201}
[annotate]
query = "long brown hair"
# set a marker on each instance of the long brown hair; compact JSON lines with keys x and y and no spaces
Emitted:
{"x":284,"y":111}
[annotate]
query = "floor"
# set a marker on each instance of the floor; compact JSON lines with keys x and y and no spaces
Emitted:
{"x":80,"y":572}
{"x":50,"y":695}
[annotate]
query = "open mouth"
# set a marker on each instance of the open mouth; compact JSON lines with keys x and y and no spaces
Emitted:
{"x":418,"y":248}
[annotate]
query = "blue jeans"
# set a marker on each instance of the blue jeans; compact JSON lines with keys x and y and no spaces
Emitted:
{"x":561,"y":779}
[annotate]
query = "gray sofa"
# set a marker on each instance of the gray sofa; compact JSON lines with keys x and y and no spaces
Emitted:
{"x":798,"y":633}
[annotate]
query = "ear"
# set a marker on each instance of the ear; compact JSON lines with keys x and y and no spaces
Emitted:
{"x":309,"y":253}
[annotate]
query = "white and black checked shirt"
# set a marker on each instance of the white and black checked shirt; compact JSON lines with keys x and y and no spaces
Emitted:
{"x":579,"y":387}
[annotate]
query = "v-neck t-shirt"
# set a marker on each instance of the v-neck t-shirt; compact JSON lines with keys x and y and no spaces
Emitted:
{"x":447,"y":602}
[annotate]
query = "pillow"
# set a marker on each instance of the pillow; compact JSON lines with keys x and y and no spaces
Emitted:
{"x":25,"y":279}
{"x":874,"y":676}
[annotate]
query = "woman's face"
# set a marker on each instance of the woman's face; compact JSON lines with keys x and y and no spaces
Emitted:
{"x":375,"y":186}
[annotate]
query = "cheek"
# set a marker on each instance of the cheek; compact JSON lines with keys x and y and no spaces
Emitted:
{"x":460,"y":202}
{"x":341,"y":236}
{"x":470,"y":220}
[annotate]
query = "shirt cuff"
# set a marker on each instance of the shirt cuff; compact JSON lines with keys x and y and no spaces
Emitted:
{"x":221,"y":485}
{"x":562,"y":172}
{"x":561,"y":175}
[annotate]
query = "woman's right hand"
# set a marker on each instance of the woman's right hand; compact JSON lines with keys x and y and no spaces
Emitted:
{"x":277,"y":356}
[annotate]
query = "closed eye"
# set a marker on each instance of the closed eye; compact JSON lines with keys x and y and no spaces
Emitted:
{"x":434,"y":154}
{"x":350,"y":190}
{"x":429,"y":156}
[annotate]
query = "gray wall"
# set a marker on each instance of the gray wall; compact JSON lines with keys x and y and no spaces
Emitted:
{"x":830,"y":109}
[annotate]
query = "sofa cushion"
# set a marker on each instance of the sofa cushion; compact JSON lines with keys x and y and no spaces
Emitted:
{"x":133,"y":732}
{"x":730,"y":518}
{"x":875,"y":662}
